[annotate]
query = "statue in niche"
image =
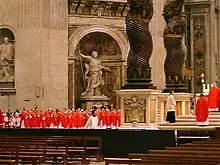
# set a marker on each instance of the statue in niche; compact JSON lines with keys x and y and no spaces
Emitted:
{"x":93,"y":75}
{"x":135,"y":110}
{"x":7,"y":53}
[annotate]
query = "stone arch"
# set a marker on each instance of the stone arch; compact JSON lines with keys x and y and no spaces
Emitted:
{"x":83,"y":31}
{"x":9,"y":28}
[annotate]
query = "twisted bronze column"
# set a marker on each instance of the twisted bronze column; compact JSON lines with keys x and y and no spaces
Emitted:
{"x":141,"y":44}
{"x":174,"y":44}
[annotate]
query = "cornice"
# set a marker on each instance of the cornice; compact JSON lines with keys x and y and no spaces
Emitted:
{"x":113,"y":8}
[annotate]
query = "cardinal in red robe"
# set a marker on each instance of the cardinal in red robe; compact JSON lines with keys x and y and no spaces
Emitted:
{"x":43,"y":117}
{"x":118,"y":118}
{"x":2,"y":122}
{"x":213,"y":98}
{"x":202,"y":111}
{"x":108,"y":118}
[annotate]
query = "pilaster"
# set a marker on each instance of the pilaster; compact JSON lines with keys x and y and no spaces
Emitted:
{"x":202,"y":40}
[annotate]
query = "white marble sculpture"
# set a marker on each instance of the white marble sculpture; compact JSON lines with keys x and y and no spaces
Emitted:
{"x":7,"y":53}
{"x":93,"y":75}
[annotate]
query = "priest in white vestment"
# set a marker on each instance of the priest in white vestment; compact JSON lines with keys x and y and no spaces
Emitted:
{"x":93,"y":121}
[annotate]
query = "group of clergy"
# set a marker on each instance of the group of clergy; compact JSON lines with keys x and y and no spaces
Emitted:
{"x":205,"y":105}
{"x":55,"y":118}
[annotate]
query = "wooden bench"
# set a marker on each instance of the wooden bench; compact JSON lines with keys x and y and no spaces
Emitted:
{"x":50,"y":148}
{"x":11,"y":151}
{"x":83,"y":149}
{"x":200,"y":148}
{"x":178,"y":152}
{"x":7,"y":162}
{"x":200,"y":153}
{"x":53,"y":145}
{"x":34,"y":149}
{"x":200,"y":145}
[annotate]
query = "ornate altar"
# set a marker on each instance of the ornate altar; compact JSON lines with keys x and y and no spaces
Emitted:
{"x":147,"y":107}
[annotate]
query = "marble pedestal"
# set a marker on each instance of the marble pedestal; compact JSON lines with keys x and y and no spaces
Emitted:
{"x":149,"y":105}
{"x":91,"y":101}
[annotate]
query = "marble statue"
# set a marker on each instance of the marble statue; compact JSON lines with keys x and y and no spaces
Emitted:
{"x":7,"y":53}
{"x":93,"y":75}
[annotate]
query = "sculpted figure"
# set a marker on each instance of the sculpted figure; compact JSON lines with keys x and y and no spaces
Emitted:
{"x":93,"y":75}
{"x":7,"y":53}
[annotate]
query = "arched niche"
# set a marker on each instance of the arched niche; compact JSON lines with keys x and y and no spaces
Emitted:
{"x":103,"y":43}
{"x":110,"y":54}
{"x":80,"y":32}
{"x":7,"y":57}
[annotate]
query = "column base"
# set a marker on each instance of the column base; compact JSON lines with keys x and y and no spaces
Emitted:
{"x":177,"y":88}
{"x":138,"y":84}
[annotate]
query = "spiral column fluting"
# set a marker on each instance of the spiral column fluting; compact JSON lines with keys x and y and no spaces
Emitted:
{"x":141,"y":44}
{"x":176,"y":53}
{"x":174,"y":45}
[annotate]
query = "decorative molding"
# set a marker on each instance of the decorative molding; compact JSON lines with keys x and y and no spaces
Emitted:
{"x":83,"y":31}
{"x":98,"y":8}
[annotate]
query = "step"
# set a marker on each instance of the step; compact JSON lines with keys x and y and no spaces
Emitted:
{"x":193,"y":120}
{"x":207,"y":128}
{"x":193,"y":116}
{"x":187,"y":124}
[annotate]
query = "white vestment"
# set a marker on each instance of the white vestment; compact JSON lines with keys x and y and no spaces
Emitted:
{"x":92,"y":122}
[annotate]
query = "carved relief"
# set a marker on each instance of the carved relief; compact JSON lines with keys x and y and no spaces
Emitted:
{"x":7,"y":54}
{"x":97,"y":8}
{"x":135,"y":109}
{"x":71,"y":30}
{"x":103,"y":43}
{"x":199,"y":48}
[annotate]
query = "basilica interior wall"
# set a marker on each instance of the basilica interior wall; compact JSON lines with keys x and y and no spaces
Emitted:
{"x":41,"y":51}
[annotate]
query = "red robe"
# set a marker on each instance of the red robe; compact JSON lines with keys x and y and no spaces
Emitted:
{"x":43,"y":117}
{"x":79,"y":120}
{"x":74,"y":115}
{"x":213,"y":98}
{"x":65,"y":119}
{"x":38,"y":120}
{"x":25,"y":119}
{"x":101,"y":116}
{"x":201,"y":109}
{"x":114,"y":118}
{"x":85,"y":117}
{"x":118,"y":118}
{"x":71,"y":120}
{"x":108,"y":118}
{"x":2,"y":122}
{"x":48,"y":119}
{"x":56,"y":119}
{"x":32,"y":120}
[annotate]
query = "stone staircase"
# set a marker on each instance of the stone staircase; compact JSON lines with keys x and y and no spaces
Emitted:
{"x":189,"y":122}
